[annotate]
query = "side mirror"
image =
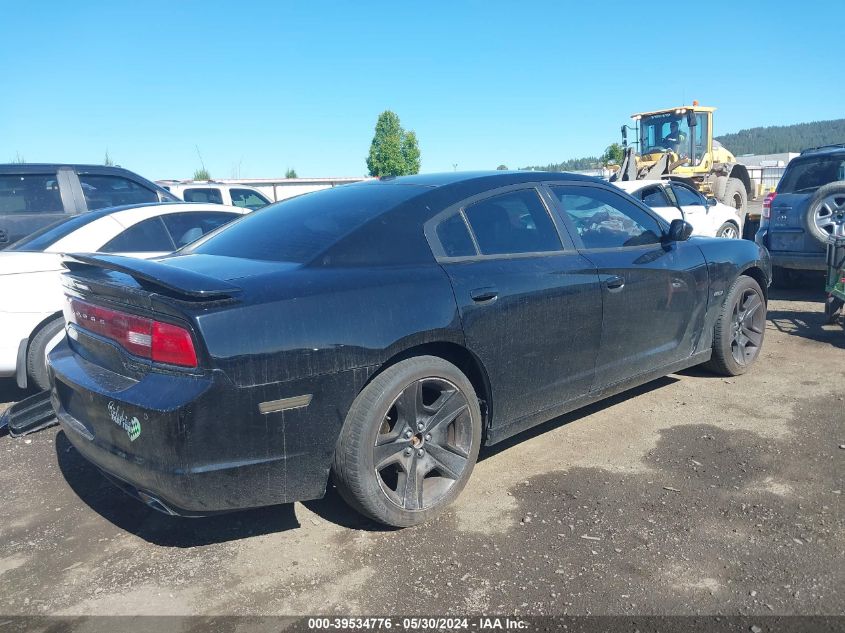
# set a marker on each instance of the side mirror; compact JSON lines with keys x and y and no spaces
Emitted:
{"x":711,"y":201}
{"x":692,"y":121}
{"x":679,"y":231}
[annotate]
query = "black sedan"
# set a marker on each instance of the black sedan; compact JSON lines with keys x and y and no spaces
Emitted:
{"x":379,"y":333}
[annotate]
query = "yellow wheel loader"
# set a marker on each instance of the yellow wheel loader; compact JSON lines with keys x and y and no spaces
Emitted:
{"x":677,"y":143}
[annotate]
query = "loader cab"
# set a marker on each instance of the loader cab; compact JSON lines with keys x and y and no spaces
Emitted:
{"x":682,"y":131}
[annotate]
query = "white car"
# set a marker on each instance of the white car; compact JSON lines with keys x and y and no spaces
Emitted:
{"x":211,"y":192}
{"x":707,"y":216}
{"x":31,"y":293}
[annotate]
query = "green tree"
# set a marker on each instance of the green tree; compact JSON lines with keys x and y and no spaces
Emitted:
{"x":502,"y":168}
{"x":411,"y":153}
{"x":291,"y":173}
{"x":202,"y":174}
{"x":613,"y":154}
{"x":393,"y":151}
{"x":107,"y":161}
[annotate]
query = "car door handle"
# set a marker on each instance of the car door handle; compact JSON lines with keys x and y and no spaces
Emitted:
{"x":484,"y":295}
{"x":614,"y":283}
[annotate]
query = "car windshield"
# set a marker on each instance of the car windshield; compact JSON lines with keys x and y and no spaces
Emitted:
{"x":299,"y":229}
{"x":44,"y":238}
{"x":812,"y":173}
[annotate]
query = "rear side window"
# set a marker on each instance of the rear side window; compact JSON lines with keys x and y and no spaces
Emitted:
{"x":453,"y":235}
{"x":655,"y":197}
{"x":810,"y":174}
{"x":299,"y":229}
{"x":208,"y":195}
{"x":514,"y":222}
{"x":110,"y":191}
{"x":148,"y":236}
{"x":248,"y":199}
{"x":187,"y":227}
{"x":30,"y":193}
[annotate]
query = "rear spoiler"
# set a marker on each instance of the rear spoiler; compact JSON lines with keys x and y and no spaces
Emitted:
{"x":153,"y":275}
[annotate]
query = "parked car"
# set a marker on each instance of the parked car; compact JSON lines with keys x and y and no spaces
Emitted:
{"x":30,"y":270}
{"x":218,"y":193}
{"x":673,"y":200}
{"x":804,"y":211}
{"x":35,"y":195}
{"x":381,"y":332}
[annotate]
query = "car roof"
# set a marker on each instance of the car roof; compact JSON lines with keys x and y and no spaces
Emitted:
{"x":491,"y":178}
{"x":40,"y":167}
{"x":824,"y":150}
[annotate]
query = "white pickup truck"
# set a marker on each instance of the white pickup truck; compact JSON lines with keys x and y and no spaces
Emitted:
{"x":212,"y":192}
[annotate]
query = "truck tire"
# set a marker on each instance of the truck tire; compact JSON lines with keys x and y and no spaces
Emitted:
{"x":735,"y":196}
{"x":825,"y":215}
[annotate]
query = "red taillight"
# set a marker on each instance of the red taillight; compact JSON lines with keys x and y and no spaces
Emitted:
{"x":173,"y":345}
{"x":158,"y":341}
{"x":767,"y":204}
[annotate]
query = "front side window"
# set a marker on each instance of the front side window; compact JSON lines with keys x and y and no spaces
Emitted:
{"x":604,"y":219}
{"x":206,"y":195}
{"x":30,"y":193}
{"x":112,"y":191}
{"x":511,"y":223}
{"x":148,"y":236}
{"x":687,"y":197}
{"x":248,"y":199}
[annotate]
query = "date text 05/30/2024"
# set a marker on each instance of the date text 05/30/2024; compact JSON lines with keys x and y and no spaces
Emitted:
{"x":418,"y":623}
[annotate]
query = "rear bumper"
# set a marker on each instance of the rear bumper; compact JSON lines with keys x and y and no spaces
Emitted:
{"x":193,"y":445}
{"x":791,"y":259}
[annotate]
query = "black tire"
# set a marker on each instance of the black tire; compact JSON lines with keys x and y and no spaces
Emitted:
{"x":829,"y":203}
{"x":785,"y":278}
{"x":728,"y":230}
{"x":36,"y":361}
{"x":443,"y":451}
{"x":740,"y":329}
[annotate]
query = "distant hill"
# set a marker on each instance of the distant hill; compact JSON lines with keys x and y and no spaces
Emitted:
{"x":784,"y":138}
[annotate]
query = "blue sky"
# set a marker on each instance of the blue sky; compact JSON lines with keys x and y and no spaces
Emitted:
{"x":261,"y":86}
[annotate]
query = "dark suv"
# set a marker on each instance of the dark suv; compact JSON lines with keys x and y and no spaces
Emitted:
{"x":35,"y":195}
{"x":807,"y":208}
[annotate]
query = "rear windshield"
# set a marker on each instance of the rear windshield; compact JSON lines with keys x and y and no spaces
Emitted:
{"x":299,"y":229}
{"x":810,"y":174}
{"x":44,"y":238}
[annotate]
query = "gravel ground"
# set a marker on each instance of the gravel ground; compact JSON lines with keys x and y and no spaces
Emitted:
{"x":691,"y":495}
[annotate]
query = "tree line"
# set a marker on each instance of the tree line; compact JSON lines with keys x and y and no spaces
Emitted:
{"x":776,"y":139}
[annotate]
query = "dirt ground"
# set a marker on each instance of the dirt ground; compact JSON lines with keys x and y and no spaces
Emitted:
{"x":691,"y":495}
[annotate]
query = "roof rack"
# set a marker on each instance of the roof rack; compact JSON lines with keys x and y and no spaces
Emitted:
{"x":815,"y":149}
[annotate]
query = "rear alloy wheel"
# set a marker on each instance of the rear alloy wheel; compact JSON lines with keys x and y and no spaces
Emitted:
{"x":409,"y":442}
{"x":740,"y":328}
{"x":728,"y":230}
